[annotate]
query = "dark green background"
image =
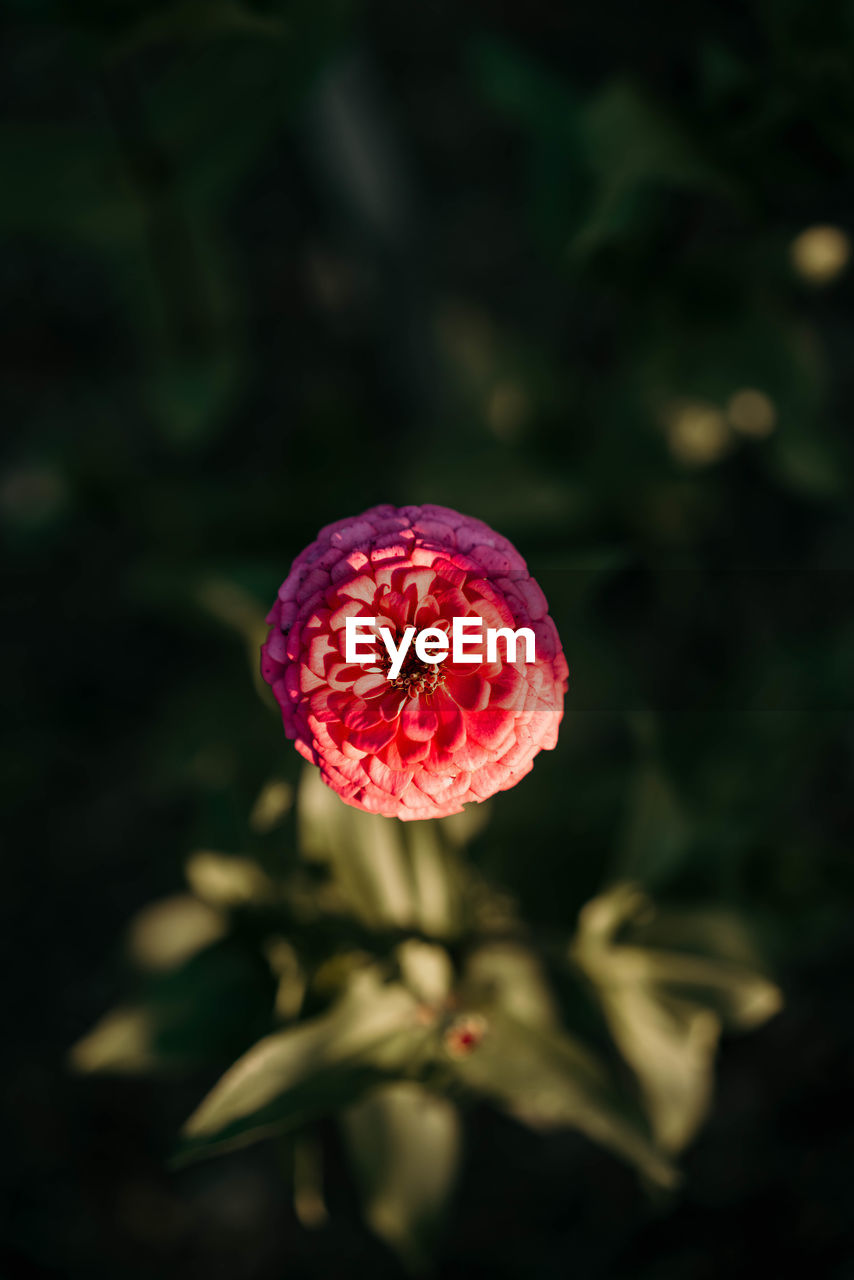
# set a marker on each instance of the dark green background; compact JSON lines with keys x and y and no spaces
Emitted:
{"x":267,"y":264}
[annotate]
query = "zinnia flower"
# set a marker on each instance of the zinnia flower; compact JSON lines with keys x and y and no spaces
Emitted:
{"x":423,"y":744}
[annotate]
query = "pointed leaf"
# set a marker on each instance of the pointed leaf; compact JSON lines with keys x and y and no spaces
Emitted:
{"x":549,"y":1079}
{"x":666,"y":1008}
{"x":404,"y":1144}
{"x":297,"y":1073}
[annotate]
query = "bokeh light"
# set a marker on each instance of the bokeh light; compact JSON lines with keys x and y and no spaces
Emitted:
{"x":697,"y":433}
{"x":751,"y":413}
{"x":821,"y":253}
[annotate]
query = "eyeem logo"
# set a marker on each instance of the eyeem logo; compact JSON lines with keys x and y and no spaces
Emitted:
{"x":433,"y":645}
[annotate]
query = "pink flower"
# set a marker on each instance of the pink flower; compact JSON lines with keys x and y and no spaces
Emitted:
{"x":421,"y":745}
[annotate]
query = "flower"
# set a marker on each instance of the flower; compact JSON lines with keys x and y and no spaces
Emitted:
{"x":423,"y":744}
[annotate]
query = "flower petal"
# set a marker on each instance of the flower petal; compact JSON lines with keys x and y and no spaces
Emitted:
{"x":489,"y":727}
{"x":469,"y":692}
{"x":402,"y":752}
{"x":451,"y":731}
{"x":417,"y":720}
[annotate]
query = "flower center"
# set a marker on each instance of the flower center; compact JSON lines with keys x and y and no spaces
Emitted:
{"x":416,"y":677}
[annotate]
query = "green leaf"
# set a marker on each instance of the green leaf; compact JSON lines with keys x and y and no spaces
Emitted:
{"x":522,"y":88}
{"x":170,"y":932}
{"x":666,"y":1008}
{"x":293,"y":1075}
{"x":426,"y":970}
{"x":191,"y":20}
{"x":404,"y":1144}
{"x":390,"y":878}
{"x":657,"y":834}
{"x":120,"y":1043}
{"x":510,"y":976}
{"x":190,"y":1007}
{"x":547,"y":1079}
{"x":633,"y":148}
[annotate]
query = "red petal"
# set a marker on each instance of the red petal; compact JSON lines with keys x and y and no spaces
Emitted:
{"x":471,"y":755}
{"x":308,"y":681}
{"x":417,"y":720}
{"x":401,"y":752}
{"x":391,"y":704}
{"x":370,"y":685}
{"x":491,"y":778}
{"x":369,"y":741}
{"x":451,"y":733}
{"x":451,"y":600}
{"x":323,"y":707}
{"x":421,"y":579}
{"x":347,"y":609}
{"x":342,"y":676}
{"x":469,"y":692}
{"x":490,"y":728}
{"x":393,"y":781}
{"x":507,"y":689}
{"x":358,"y":714}
{"x":362,"y":587}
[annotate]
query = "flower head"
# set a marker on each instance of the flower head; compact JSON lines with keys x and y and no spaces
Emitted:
{"x":421,"y":744}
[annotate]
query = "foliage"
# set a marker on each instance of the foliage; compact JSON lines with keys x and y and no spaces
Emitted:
{"x":444,"y":997}
{"x":582,"y":273}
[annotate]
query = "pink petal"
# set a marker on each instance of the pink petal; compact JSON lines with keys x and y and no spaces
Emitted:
{"x":341,"y":676}
{"x":490,"y":727}
{"x":371,"y":684}
{"x":371,"y":740}
{"x":469,"y":692}
{"x":391,"y":704}
{"x":362,"y":587}
{"x":451,"y":733}
{"x":417,"y":720}
{"x":320,"y":648}
{"x":393,"y":781}
{"x":491,"y":778}
{"x":471,"y":755}
{"x":308,"y":681}
{"x":401,"y":752}
{"x":507,"y":689}
{"x":347,"y":609}
{"x":421,"y":580}
{"x":360,"y":715}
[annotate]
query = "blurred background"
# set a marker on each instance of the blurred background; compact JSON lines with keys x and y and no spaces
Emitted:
{"x":580,"y":271}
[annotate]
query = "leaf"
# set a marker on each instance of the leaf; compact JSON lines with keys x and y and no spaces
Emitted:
{"x":191,"y":399}
{"x":657,"y":833}
{"x":547,"y":1079}
{"x":192,"y":20}
{"x":389,"y":879}
{"x":236,"y":607}
{"x":296,"y":1074}
{"x":666,"y":1008}
{"x":633,"y":148}
{"x":435,"y":877}
{"x":170,"y":932}
{"x":121,"y":1043}
{"x":210,"y":1008}
{"x":508,"y":975}
{"x":522,"y":88}
{"x":426,"y":970}
{"x":546,"y":107}
{"x":404,"y":1144}
{"x":228,"y":880}
{"x":190,"y":1006}
{"x":812,"y":460}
